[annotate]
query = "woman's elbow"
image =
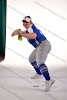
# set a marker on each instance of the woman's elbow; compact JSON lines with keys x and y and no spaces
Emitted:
{"x":34,"y":36}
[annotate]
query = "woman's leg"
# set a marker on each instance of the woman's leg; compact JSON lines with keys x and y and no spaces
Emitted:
{"x":42,"y":52}
{"x":32,"y":60}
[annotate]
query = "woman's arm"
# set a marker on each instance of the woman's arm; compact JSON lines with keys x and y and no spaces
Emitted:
{"x":24,"y":34}
{"x":29,"y":35}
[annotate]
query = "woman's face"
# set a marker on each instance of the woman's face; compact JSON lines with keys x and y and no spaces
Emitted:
{"x":26,"y":24}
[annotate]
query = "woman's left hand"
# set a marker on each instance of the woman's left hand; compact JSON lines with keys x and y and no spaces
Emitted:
{"x":16,"y":32}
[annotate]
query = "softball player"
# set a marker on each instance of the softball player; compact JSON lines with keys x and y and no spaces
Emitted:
{"x":42,"y":47}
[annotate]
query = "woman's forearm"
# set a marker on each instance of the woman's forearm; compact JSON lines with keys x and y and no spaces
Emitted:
{"x":29,"y":35}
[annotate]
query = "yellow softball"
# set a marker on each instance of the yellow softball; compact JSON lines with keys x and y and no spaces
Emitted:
{"x":20,"y":38}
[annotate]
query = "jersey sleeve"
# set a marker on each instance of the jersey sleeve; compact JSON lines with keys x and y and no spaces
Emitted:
{"x":30,"y":30}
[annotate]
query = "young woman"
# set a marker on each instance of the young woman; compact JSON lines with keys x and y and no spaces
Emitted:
{"x":42,"y":47}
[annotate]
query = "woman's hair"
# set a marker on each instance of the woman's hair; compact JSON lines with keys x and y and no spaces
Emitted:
{"x":28,"y":17}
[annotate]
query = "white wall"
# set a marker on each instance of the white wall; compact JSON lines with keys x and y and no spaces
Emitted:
{"x":50,"y":16}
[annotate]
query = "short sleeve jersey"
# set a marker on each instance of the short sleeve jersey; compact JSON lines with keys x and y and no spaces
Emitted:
{"x":39,"y":35}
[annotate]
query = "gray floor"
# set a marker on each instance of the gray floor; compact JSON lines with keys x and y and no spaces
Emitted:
{"x":16,"y":84}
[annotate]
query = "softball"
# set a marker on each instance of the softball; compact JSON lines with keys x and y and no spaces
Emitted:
{"x":20,"y":38}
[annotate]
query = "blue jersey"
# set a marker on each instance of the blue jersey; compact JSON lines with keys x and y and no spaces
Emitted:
{"x":39,"y":36}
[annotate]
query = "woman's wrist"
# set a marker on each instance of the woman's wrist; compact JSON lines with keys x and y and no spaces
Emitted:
{"x":20,"y":32}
